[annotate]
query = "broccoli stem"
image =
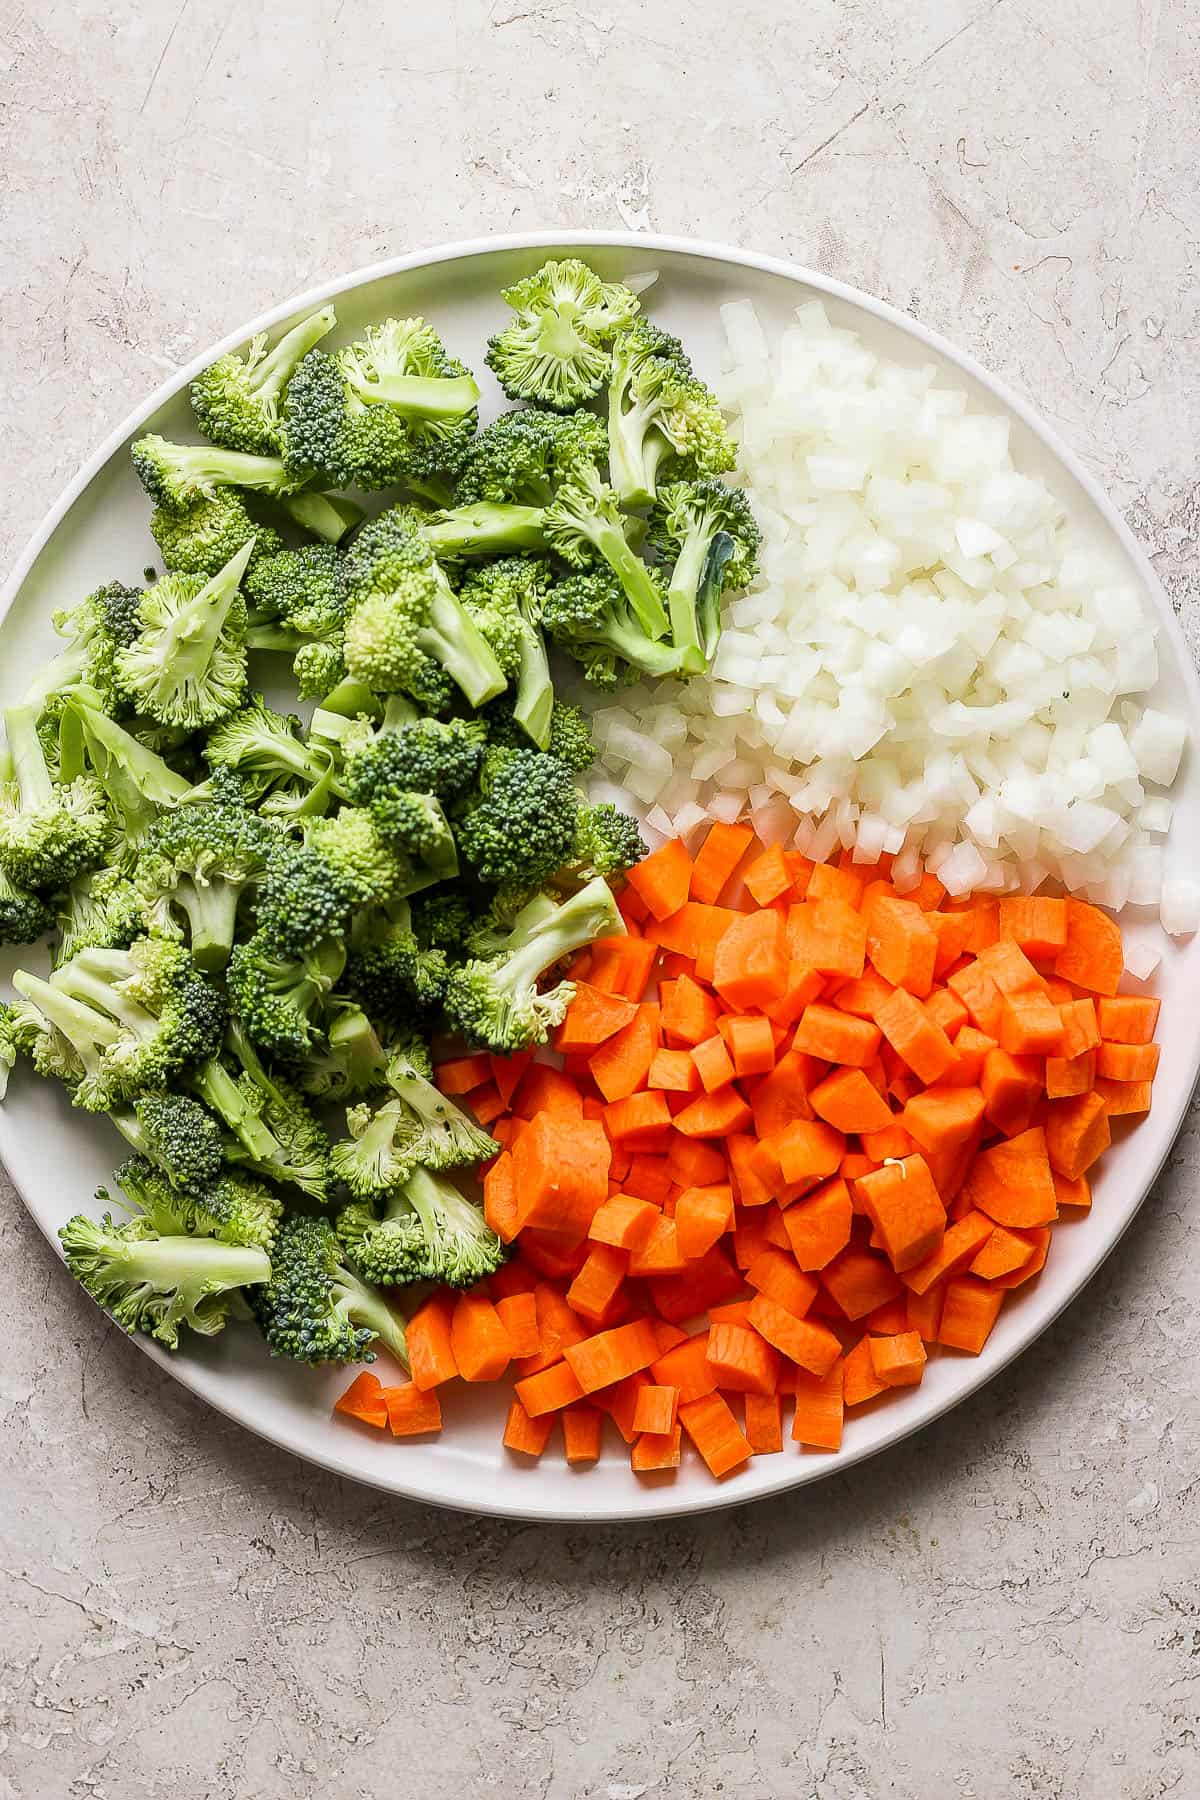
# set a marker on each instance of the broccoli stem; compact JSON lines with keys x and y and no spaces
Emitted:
{"x":682,"y":600}
{"x":487,"y":529}
{"x":29,"y":759}
{"x":633,"y":454}
{"x":216,"y":1085}
{"x":134,"y":777}
{"x":534,"y":706}
{"x":587,"y":915}
{"x":211,"y":910}
{"x":363,"y":1305}
{"x":421,"y":396}
{"x":170,"y":1264}
{"x":275,"y":371}
{"x":84,"y":1028}
{"x":632,"y":573}
{"x":94,"y":977}
{"x":328,"y":516}
{"x":451,"y":636}
{"x":190,"y":638}
{"x":350,"y":699}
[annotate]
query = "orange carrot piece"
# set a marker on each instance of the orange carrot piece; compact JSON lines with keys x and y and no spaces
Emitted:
{"x":830,"y":882}
{"x":953,"y":933}
{"x":561,"y":1172}
{"x":1072,"y":1193}
{"x":750,"y":962}
{"x":1011,"y":1089}
{"x":655,"y":1409}
{"x":970,"y":1049}
{"x":847,"y":1100}
{"x":689,"y":1012}
{"x":828,"y":936}
{"x":742,"y":1361}
{"x":860,"y":1281}
{"x":906,"y":1210}
{"x":660,"y":1254}
{"x":549,"y":1390}
{"x":529,"y":1436}
{"x":583,"y":1428}
{"x":1039,"y":1240}
{"x":713,"y":1063}
{"x":478,"y":1339}
{"x":461,"y":1074}
{"x":818,"y":1226}
{"x":592,"y":1018}
{"x":691,"y":1163}
{"x":649,"y":1177}
{"x":412,"y":1412}
{"x":715,"y":1432}
{"x":552,"y":1255}
{"x":1068,"y":1076}
{"x":622,"y":965}
{"x":942,"y":1118}
{"x":946,"y":1009}
{"x":1011,"y":1182}
{"x":663,"y":879}
{"x":598,"y":1282}
{"x":913,"y":1035}
{"x":898,"y":1361}
{"x":1076,"y":1134}
{"x":545,"y":1089}
{"x":612,"y":1355}
{"x":808,"y":1150}
{"x":1010,"y":969}
{"x":1081,"y":1026}
{"x":801,"y":986}
{"x":862,"y":996}
{"x":923,"y":1313}
{"x":1030,"y":1025}
{"x":751,"y":1187}
{"x":1003,"y":1252}
{"x":775,"y":1273}
{"x":970,"y":1310}
{"x":653,"y":1453}
{"x":782,"y":1095}
{"x":518,"y":1315}
{"x":667,"y":1335}
{"x":686,"y":1367}
{"x":674,"y":1072}
{"x":1127,"y":1062}
{"x":714,"y":1115}
{"x":751,"y":1044}
{"x":768,"y":876}
{"x":820,"y":1409}
{"x":978,"y":993}
{"x":1037,"y":923}
{"x":557,"y":1326}
{"x":803,"y":1341}
{"x":636,"y":1121}
{"x":901,"y":944}
{"x":963,"y":1240}
{"x":620,"y":1066}
{"x":859,"y":1380}
{"x":835,"y":1036}
{"x":625,"y":1222}
{"x":486,"y":1104}
{"x":704,"y":1281}
{"x":702,"y":1215}
{"x":719,"y":855}
{"x":1122,"y":1097}
{"x":1092,"y":957}
{"x":1128,"y":1019}
{"x":764,"y":1423}
{"x":430,"y":1343}
{"x":364,"y":1399}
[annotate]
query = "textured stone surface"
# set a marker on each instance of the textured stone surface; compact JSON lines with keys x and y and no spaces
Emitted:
{"x":1008,"y":1607}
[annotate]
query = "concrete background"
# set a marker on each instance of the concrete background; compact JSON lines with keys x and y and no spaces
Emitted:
{"x":1008,"y":1607}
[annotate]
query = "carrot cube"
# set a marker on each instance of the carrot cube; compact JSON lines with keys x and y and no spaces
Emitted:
{"x":582,"y":1430}
{"x":529,"y":1436}
{"x":412,"y":1413}
{"x":751,"y":1044}
{"x":674,"y":1072}
{"x":719,"y":855}
{"x":750,"y":963}
{"x":970,"y":1310}
{"x":364,"y":1399}
{"x":713,"y":1064}
{"x":663,"y":879}
{"x":818,"y":1227}
{"x":479,"y":1342}
{"x":653,"y":1452}
{"x":702,"y":1215}
{"x":898,"y":1361}
{"x":820,"y":1409}
{"x":715,"y":1433}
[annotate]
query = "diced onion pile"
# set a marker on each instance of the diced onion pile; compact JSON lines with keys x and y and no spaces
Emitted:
{"x":931,"y":664}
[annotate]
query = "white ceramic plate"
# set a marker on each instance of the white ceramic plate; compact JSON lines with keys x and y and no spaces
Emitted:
{"x":57,"y":1157}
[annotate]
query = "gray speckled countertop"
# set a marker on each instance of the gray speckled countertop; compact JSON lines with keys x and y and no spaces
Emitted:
{"x":1007,"y":1607}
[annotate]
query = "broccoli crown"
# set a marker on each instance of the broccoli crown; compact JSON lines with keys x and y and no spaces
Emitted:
{"x":710,"y":530}
{"x":98,"y":628}
{"x":391,"y":408}
{"x":299,"y":587}
{"x":390,"y":971}
{"x":137,"y":781}
{"x":274,"y":1127}
{"x":236,"y":1209}
{"x":202,"y":859}
{"x":24,"y":915}
{"x":316,"y":1310}
{"x":660,"y":413}
{"x":495,"y":1000}
{"x":589,"y":616}
{"x":280,"y":999}
{"x":48,"y":832}
{"x":352,"y":1062}
{"x":555,"y":350}
{"x":571,"y":737}
{"x":522,"y":829}
{"x":429,"y":1232}
{"x":607,"y":842}
{"x":302,"y":900}
{"x":237,"y":399}
{"x":363,"y":865}
{"x":380,"y":1151}
{"x":504,"y":598}
{"x":443,"y":1136}
{"x":159,"y":1284}
{"x":187,"y":665}
{"x":135,"y":1018}
{"x":179,"y":1136}
{"x":265,"y":748}
{"x":432,"y":756}
{"x":202,"y":538}
{"x":584,"y":522}
{"x":523,"y":456}
{"x":107,"y":910}
{"x":441,"y":919}
{"x":177,"y":475}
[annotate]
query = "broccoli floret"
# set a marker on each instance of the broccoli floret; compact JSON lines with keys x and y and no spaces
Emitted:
{"x":24,"y":915}
{"x":555,"y":350}
{"x":407,"y":629}
{"x":429,"y":1232}
{"x":365,"y":866}
{"x":584,"y":521}
{"x":607,"y":842}
{"x":709,"y":529}
{"x":48,"y":832}
{"x":275,"y":1129}
{"x":505,"y":600}
{"x":445,"y":1138}
{"x":107,"y":910}
{"x":187,"y":665}
{"x":298,"y":608}
{"x":279,"y":999}
{"x":202,"y":538}
{"x":236,"y":1209}
{"x":441,"y":919}
{"x":660,"y":414}
{"x":134,"y":1018}
{"x":264,"y":747}
{"x":177,"y":475}
{"x":589,"y":616}
{"x":352,"y":1062}
{"x":496,"y":1001}
{"x":392,"y":407}
{"x":389,"y":970}
{"x":571,"y":737}
{"x":179,"y":1136}
{"x":137,"y":782}
{"x":238,"y":399}
{"x":301,"y":901}
{"x":521,"y":457}
{"x":147,"y":1282}
{"x":11,"y":1044}
{"x":316,"y":1310}
{"x":380,"y":1152}
{"x":98,"y":629}
{"x":205,"y":858}
{"x":523,"y":827}
{"x":431,"y":756}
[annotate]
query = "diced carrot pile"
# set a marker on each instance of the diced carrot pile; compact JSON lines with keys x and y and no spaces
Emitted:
{"x":807,"y":1130}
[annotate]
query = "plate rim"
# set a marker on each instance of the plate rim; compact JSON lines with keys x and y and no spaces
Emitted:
{"x":667,"y":1502}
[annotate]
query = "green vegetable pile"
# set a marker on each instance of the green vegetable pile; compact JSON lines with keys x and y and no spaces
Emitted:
{"x":255,"y":921}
